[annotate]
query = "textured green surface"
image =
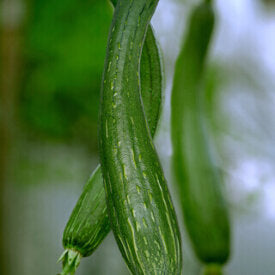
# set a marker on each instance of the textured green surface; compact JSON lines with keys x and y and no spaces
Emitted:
{"x":151,"y":72}
{"x":139,"y":205}
{"x":151,"y":80}
{"x":88,"y":224}
{"x":198,"y":179}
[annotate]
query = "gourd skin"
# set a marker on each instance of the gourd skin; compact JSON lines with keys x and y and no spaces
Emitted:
{"x":196,"y":175}
{"x":139,"y":205}
{"x":89,"y":222}
{"x":151,"y":71}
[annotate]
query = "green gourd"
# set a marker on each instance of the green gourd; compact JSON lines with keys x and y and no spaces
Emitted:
{"x":196,"y":174}
{"x":139,"y":205}
{"x":89,"y":224}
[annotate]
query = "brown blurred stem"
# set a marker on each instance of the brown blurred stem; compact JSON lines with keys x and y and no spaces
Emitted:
{"x":11,"y":18}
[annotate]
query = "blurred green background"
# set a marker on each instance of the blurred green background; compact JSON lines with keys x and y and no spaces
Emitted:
{"x":51,"y":61}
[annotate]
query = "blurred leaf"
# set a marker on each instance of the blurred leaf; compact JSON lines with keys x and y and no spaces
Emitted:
{"x":64,"y":57}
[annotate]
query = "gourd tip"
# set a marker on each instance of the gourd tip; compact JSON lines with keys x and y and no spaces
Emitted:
{"x":70,"y":260}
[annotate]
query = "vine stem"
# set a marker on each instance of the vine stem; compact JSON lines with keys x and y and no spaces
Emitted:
{"x":212,"y":269}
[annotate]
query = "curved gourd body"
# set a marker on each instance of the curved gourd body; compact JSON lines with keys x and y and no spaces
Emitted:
{"x":139,"y":205}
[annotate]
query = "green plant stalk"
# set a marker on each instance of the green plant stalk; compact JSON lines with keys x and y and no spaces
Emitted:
{"x":89,"y":224}
{"x":212,"y":269}
{"x":196,"y":175}
{"x":139,"y":205}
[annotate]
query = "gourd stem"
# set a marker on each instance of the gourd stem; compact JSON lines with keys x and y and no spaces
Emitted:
{"x":212,"y":269}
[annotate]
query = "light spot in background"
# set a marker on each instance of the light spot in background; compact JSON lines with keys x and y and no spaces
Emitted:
{"x":268,"y":198}
{"x":245,"y":27}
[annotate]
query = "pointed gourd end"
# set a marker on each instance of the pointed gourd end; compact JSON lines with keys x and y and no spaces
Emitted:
{"x":70,"y":261}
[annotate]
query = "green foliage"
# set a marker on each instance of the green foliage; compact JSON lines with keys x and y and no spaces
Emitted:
{"x":64,"y":53}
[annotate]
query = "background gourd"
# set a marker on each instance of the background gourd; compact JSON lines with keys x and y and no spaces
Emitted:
{"x":196,"y":175}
